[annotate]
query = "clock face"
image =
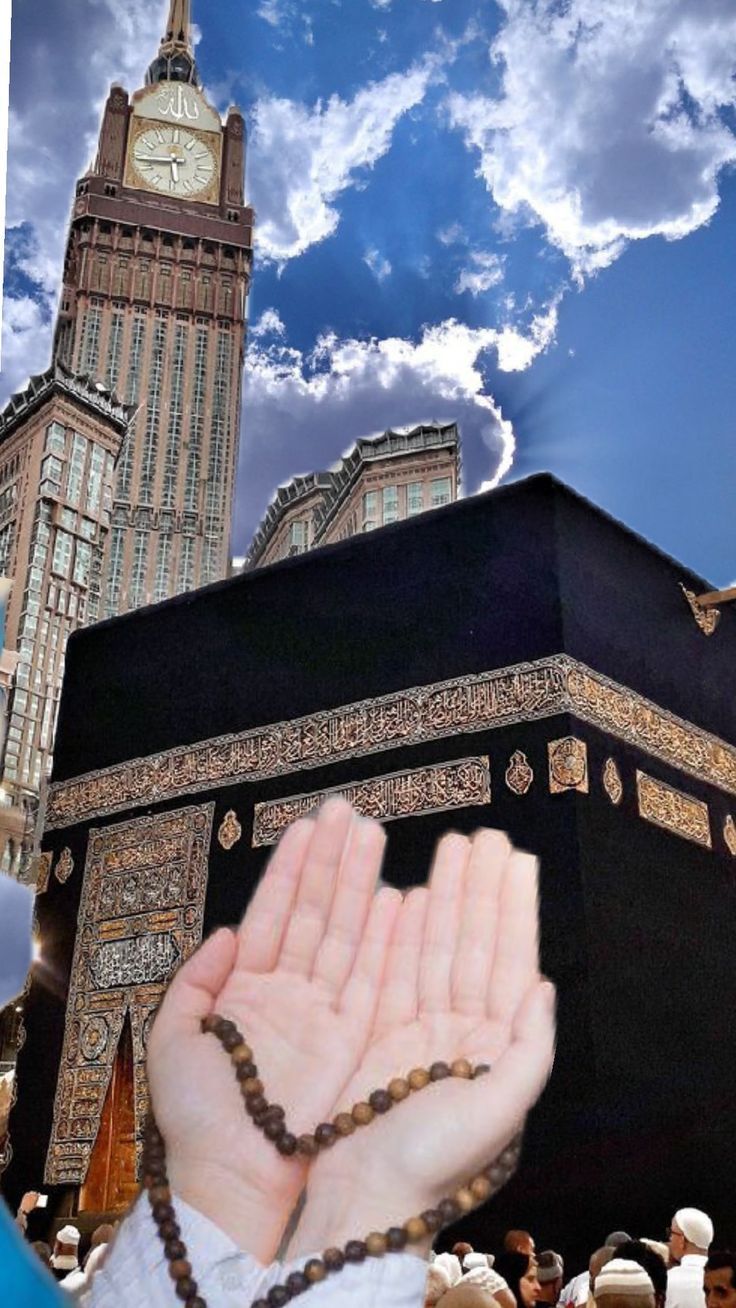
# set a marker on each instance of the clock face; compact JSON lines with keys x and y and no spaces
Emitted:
{"x":173,"y":160}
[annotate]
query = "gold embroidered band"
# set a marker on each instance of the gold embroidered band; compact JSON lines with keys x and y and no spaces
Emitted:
{"x":673,"y":810}
{"x":521,"y":693}
{"x":401,"y":794}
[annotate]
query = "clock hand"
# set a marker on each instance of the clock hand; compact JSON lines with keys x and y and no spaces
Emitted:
{"x":174,"y":171}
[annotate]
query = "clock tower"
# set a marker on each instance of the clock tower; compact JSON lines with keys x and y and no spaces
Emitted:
{"x":153,"y":307}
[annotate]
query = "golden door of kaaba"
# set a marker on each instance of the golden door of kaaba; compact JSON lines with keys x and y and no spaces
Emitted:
{"x":111,"y":1182}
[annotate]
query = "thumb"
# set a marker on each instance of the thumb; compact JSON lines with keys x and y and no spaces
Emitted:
{"x":196,"y":986}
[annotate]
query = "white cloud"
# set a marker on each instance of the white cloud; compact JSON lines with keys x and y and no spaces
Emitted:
{"x":453,"y":234}
{"x":269,"y":324}
{"x":53,"y":136}
{"x":304,"y":410}
{"x":302,"y":158}
{"x":378,"y":264}
{"x":484,"y":271}
{"x":610,"y":125}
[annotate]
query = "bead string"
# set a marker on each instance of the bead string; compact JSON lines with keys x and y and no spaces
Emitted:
{"x":269,"y":1118}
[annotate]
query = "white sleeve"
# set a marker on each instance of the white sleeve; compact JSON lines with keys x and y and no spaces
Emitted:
{"x":397,"y":1280}
{"x":135,"y":1272}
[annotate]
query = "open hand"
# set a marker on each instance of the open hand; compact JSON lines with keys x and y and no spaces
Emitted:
{"x":461,"y":981}
{"x":300,"y":979}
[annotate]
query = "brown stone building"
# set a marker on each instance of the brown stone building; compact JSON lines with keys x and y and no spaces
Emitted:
{"x":381,"y":480}
{"x":153,"y":305}
{"x":59,"y":441}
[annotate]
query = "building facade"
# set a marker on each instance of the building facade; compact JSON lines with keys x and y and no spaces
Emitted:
{"x":381,"y":480}
{"x":59,"y":442}
{"x":153,"y":306}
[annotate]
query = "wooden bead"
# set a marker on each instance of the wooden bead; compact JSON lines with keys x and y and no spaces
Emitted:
{"x":334,"y":1259}
{"x":246,"y":1071}
{"x":185,"y":1289}
{"x":196,"y":1302}
{"x":162,"y":1213}
{"x":242,"y":1053}
{"x":179,"y":1269}
{"x":169,"y":1230}
{"x":278,"y":1296}
{"x":159,"y":1194}
{"x":297,"y":1283}
{"x":231,"y":1039}
{"x":398,"y":1089}
{"x":355,"y":1251}
{"x":259,"y":1303}
{"x":448,"y":1211}
{"x":325,"y":1135}
{"x":418,"y":1078}
{"x":211,"y":1024}
{"x":174,"y":1249}
{"x":274,"y":1128}
{"x":439,"y":1071}
{"x":286,"y":1144}
{"x":253,"y":1086}
{"x":380,"y":1101}
{"x":396,"y":1238}
{"x":461,"y":1067}
{"x":255,"y":1103}
{"x":315,"y":1271}
{"x":431,"y":1219}
{"x":481,"y":1189}
{"x":344,"y":1124}
{"x":362,"y":1114}
{"x":497,"y":1176}
{"x":482,"y":1069}
{"x":416,"y":1229}
{"x":307,"y":1146}
{"x":376,"y":1244}
{"x":465,"y":1199}
{"x":153,"y":1177}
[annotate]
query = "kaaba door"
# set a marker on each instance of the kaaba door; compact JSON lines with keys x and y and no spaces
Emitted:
{"x":111,"y":1182}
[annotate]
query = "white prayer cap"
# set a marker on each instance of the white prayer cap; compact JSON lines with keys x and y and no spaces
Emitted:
{"x":68,"y":1235}
{"x":622,"y":1276}
{"x":696,"y":1226}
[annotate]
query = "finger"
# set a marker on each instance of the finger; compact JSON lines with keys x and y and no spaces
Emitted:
{"x":351,"y":904}
{"x":442,"y":923}
{"x":398,"y":1001}
{"x":311,"y":909}
{"x":471,"y":968}
{"x":521,"y":1073}
{"x":360,"y":994}
{"x":264,"y":925}
{"x":516,"y":960}
{"x":194,"y":991}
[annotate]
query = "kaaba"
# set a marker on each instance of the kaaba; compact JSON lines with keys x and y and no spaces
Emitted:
{"x":517,"y":660}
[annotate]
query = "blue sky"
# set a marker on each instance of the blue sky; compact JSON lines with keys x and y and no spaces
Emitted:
{"x":519,"y":215}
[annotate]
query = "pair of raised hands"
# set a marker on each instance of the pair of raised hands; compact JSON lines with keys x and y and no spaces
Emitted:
{"x":339,"y":988}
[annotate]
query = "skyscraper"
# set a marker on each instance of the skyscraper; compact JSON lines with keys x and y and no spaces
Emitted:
{"x":153,"y":306}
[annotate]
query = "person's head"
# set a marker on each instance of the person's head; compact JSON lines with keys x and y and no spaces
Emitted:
{"x":637,"y":1251}
{"x":461,"y":1249}
{"x":719,"y":1280}
{"x":438,"y":1283}
{"x":616,"y":1238}
{"x":598,"y":1261}
{"x":43,"y":1250}
{"x":691,"y":1232}
{"x":550,"y":1274}
{"x":659,"y":1247}
{"x":66,"y":1244}
{"x":102,"y":1234}
{"x":622,"y":1283}
{"x":519,"y":1242}
{"x":519,"y":1271}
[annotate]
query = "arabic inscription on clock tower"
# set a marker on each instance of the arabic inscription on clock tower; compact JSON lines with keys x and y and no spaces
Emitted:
{"x":153,"y":307}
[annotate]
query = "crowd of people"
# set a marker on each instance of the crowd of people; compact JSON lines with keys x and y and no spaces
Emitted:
{"x":685,"y":1272}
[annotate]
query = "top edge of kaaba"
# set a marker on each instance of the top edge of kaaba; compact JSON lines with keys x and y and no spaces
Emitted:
{"x":518,"y":574}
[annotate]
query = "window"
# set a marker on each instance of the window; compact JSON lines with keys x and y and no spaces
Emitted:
{"x":297,"y":538}
{"x":76,"y":469}
{"x":370,"y":510}
{"x":82,"y":562}
{"x":94,"y":481}
{"x":440,"y":492}
{"x":55,"y":437}
{"x":414,"y":498}
{"x":62,"y":557}
{"x":138,"y":571}
{"x":51,"y":470}
{"x":390,"y":504}
{"x":90,"y":351}
{"x":68,"y":519}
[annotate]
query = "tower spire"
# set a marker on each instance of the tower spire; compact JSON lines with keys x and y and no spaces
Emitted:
{"x":175,"y":60}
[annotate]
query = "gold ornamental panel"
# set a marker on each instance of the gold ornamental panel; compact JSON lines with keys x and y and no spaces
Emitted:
{"x":521,"y":693}
{"x":433,"y":789}
{"x":519,"y":773}
{"x":140,"y":916}
{"x":612,"y":783}
{"x":673,"y":810}
{"x":568,"y":765}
